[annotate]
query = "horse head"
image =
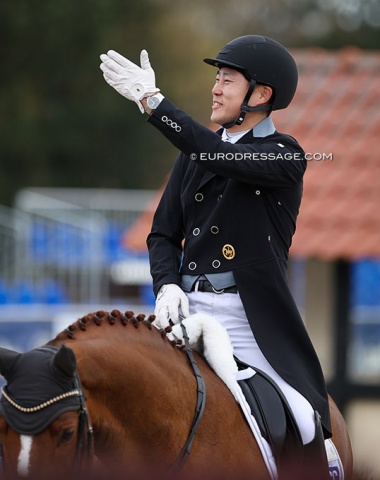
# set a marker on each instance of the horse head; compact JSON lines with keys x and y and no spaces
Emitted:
{"x":41,"y":401}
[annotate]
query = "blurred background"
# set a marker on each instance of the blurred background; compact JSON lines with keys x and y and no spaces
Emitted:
{"x":81,"y":171}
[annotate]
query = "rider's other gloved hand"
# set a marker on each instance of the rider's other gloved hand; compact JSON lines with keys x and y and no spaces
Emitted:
{"x":171,"y":303}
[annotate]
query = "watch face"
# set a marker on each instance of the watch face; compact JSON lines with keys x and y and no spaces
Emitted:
{"x":153,"y":102}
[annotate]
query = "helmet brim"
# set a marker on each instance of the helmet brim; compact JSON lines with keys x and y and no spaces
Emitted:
{"x":215,"y":62}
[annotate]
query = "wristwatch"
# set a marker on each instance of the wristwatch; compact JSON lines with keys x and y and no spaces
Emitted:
{"x":152,"y":102}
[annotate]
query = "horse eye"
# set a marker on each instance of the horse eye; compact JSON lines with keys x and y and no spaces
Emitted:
{"x":66,"y":436}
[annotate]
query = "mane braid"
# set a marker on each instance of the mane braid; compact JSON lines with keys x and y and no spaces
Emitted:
{"x":102,"y":317}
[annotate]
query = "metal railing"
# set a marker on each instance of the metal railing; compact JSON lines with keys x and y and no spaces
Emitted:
{"x":61,"y":245}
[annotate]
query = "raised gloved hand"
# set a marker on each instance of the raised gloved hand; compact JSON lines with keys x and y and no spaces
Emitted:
{"x":171,"y":302}
{"x":127,"y":78}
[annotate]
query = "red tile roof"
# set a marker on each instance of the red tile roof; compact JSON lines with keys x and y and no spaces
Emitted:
{"x":336,"y":111}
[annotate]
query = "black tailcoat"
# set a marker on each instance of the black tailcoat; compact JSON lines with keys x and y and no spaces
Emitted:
{"x":235,"y":206}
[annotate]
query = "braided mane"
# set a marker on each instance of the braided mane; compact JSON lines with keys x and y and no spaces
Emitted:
{"x":102,"y":317}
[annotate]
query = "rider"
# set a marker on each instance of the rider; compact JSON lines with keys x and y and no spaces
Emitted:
{"x":233,"y":197}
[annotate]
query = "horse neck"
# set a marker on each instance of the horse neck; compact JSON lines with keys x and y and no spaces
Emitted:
{"x":131,"y":386}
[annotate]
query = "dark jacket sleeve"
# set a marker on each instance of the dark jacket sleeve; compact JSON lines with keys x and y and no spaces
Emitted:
{"x":166,"y":236}
{"x":275,"y":161}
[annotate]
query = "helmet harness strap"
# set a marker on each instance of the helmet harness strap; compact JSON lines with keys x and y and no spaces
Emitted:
{"x":246,"y":108}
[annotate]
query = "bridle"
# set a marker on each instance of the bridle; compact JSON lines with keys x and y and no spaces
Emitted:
{"x":85,"y":441}
{"x":85,"y":437}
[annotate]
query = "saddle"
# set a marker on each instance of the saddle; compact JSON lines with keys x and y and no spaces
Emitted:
{"x":278,"y":426}
{"x":272,"y":413}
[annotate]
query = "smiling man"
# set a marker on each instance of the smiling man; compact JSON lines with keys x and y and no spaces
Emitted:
{"x":236,"y":212}
{"x":230,"y":87}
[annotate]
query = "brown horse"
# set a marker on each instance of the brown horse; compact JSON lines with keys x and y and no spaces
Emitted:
{"x":141,"y":395}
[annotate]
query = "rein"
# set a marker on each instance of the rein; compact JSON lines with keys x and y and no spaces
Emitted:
{"x":199,"y":409}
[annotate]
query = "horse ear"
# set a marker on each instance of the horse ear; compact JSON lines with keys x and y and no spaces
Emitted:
{"x":64,"y":360}
{"x":7,"y":359}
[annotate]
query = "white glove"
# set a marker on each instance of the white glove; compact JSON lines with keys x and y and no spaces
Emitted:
{"x":170,"y":303}
{"x":127,"y":78}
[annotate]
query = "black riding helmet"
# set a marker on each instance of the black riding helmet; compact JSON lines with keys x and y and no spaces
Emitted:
{"x":261,"y":60}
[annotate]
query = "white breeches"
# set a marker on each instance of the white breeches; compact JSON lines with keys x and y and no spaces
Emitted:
{"x":228,"y":310}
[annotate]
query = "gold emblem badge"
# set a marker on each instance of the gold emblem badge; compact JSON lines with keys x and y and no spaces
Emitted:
{"x":228,"y":251}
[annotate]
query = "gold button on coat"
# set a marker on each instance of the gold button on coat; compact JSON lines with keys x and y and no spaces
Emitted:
{"x":228,"y":251}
